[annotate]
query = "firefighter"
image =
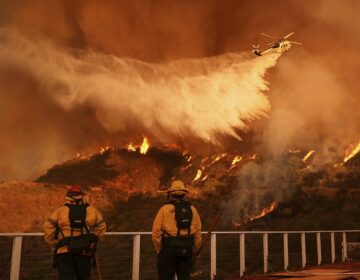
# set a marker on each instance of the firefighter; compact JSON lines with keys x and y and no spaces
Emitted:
{"x":73,"y":231}
{"x":176,"y":234}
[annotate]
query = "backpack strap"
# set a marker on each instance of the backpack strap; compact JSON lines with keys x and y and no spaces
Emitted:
{"x":77,"y":216}
{"x":177,"y":204}
{"x":189,"y":228}
{"x":86,"y":205}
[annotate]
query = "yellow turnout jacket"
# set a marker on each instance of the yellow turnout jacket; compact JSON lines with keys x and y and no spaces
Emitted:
{"x":60,"y":219}
{"x":165,"y":225}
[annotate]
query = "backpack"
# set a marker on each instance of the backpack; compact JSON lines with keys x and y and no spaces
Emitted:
{"x":181,"y":246}
{"x":183,"y":214}
{"x":77,"y":216}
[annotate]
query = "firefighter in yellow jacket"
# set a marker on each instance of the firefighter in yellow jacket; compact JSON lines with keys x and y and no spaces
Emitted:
{"x":73,"y":231}
{"x":176,"y":234}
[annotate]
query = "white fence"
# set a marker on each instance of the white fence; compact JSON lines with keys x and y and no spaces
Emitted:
{"x":136,"y":248}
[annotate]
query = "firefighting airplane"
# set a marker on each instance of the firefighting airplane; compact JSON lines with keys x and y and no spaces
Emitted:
{"x":279,"y":46}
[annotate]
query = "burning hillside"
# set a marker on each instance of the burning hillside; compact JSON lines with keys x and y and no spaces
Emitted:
{"x":246,"y":187}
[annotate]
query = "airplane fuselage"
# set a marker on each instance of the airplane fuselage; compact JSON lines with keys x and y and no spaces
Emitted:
{"x":279,"y":47}
{"x":282,"y":46}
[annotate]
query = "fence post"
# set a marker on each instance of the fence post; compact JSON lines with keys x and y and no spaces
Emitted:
{"x":242,"y":254}
{"x":318,"y":246}
{"x":213,"y":256}
{"x":286,"y":251}
{"x":344,"y":247}
{"x":332,"y":238}
{"x":303,"y":249}
{"x":266,"y":251}
{"x":16,"y":258}
{"x":136,"y":257}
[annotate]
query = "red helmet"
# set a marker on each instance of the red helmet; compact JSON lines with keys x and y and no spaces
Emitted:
{"x":75,"y":189}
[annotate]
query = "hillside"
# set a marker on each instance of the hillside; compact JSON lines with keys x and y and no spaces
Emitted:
{"x":126,"y":186}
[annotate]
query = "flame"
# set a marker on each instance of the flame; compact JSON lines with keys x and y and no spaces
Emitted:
{"x":308,"y":155}
{"x":78,"y":155}
{"x":265,"y":211}
{"x":235,"y":161}
{"x":350,"y":153}
{"x":102,"y":149}
{"x":204,"y":160}
{"x":198,"y":175}
{"x":131,"y":147}
{"x":144,"y":146}
{"x":219,"y":157}
{"x":253,"y":157}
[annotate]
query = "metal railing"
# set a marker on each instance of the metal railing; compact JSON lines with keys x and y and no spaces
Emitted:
{"x":242,"y":235}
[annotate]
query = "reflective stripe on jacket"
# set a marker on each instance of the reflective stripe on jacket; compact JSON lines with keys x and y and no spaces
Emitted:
{"x":165,"y":223}
{"x":60,"y":219}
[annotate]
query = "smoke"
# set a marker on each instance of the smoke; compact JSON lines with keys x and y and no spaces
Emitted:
{"x":147,"y":30}
{"x":199,"y":97}
{"x":110,"y":71}
{"x":312,"y":109}
{"x":315,"y":101}
{"x":36,"y":133}
{"x":259,"y":185}
{"x":312,"y":115}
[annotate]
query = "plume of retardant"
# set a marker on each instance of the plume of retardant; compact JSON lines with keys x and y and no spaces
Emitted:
{"x":199,"y":97}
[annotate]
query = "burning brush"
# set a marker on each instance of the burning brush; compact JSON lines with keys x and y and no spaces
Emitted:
{"x":265,"y":211}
